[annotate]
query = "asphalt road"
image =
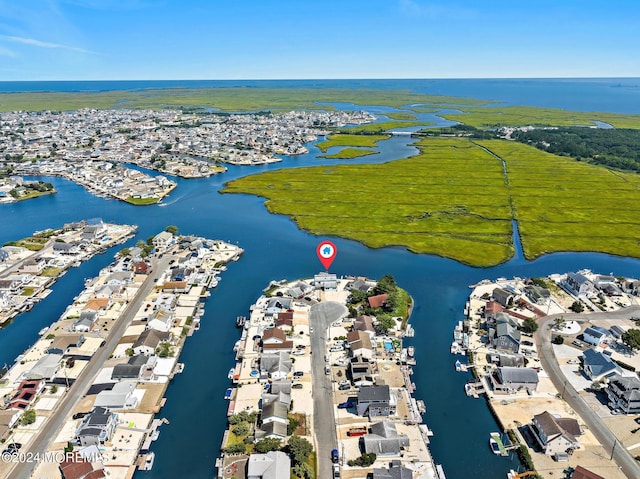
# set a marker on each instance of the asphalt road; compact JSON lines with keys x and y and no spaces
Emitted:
{"x":621,"y":456}
{"x":46,"y":434}
{"x":321,"y":315}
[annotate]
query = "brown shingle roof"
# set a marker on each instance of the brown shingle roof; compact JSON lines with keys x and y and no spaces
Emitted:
{"x":582,"y":473}
{"x":377,"y":301}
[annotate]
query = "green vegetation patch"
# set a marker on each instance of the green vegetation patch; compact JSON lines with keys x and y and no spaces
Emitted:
{"x":401,"y":115}
{"x":142,"y":201}
{"x":226,"y":99}
{"x":348,"y":153}
{"x":382,"y":127}
{"x":429,"y":203}
{"x":530,"y":115}
{"x":565,"y":205}
{"x":351,"y":140}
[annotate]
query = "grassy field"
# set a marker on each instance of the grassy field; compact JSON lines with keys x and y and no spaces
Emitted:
{"x":428,"y":203}
{"x":348,"y":153}
{"x":453,"y":200}
{"x":401,"y":115}
{"x":529,"y":115}
{"x":142,"y":201}
{"x":339,"y":139}
{"x":226,"y":99}
{"x":566,"y":205}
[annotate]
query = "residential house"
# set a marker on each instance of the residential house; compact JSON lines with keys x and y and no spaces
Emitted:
{"x":277,"y":305}
{"x":26,"y":394}
{"x":94,"y":232}
{"x":505,"y":336}
{"x":608,"y":285}
{"x":395,"y":471}
{"x":120,"y":278}
{"x":504,"y":297}
{"x":579,"y":284}
{"x":581,"y":473}
{"x":120,"y":397}
{"x":377,"y":301}
{"x":137,"y":367}
{"x":273,"y":419}
{"x":97,"y":304}
{"x":11,"y":285}
{"x":384,"y":440}
{"x":616,"y":331}
{"x":595,"y":335}
{"x":34,"y":266}
{"x":624,"y":393}
{"x":275,"y":339}
{"x":86,"y":322}
{"x":46,"y":368}
{"x":161,"y":320}
{"x":298,"y":290}
{"x":62,"y":247}
{"x":325,"y":281}
{"x":162,"y":240}
{"x":97,"y":427}
{"x":62,"y":343}
{"x":149,"y":340}
{"x":140,"y":267}
{"x":511,"y":379}
{"x":360,"y":344}
{"x":556,"y":435}
{"x":491,"y":309}
{"x":537,"y":294}
{"x":8,"y":418}
{"x":275,"y":366}
{"x":272,"y":465}
{"x":364,"y":323}
{"x":361,"y":369}
{"x":75,"y":466}
{"x":375,"y":401}
{"x":597,"y":365}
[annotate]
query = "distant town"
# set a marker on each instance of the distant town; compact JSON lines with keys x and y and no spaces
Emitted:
{"x":90,"y":147}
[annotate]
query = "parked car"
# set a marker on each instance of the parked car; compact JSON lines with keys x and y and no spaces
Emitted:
{"x":298,"y":373}
{"x":296,"y":386}
{"x":346,"y":404}
{"x":344,"y":387}
{"x":334,"y":456}
{"x":336,"y":471}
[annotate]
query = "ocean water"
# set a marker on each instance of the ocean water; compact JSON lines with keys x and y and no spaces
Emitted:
{"x":274,"y":249}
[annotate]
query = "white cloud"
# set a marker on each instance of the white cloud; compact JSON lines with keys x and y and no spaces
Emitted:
{"x":5,"y":52}
{"x":41,"y":44}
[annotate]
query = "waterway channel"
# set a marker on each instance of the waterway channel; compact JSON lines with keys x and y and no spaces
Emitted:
{"x":274,"y":249}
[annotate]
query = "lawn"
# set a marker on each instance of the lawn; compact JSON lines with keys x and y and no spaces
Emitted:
{"x":530,"y":115}
{"x":401,"y":115}
{"x":384,"y":126}
{"x":453,"y":200}
{"x":142,"y":201}
{"x":369,"y":141}
{"x":348,"y":153}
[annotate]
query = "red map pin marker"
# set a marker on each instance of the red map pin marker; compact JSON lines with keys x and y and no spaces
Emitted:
{"x":326,"y":253}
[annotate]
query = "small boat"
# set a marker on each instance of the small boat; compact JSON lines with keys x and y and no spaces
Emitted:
{"x":422,"y":408}
{"x":410,"y":351}
{"x":43,"y":331}
{"x":228,"y":394}
{"x":155,"y":434}
{"x":231,"y":373}
{"x":148,"y":463}
{"x":240,"y":320}
{"x":179,"y":368}
{"x":495,"y":442}
{"x":458,"y":365}
{"x":455,"y":348}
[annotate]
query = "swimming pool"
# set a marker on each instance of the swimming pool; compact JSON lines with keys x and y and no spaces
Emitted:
{"x":388,"y":346}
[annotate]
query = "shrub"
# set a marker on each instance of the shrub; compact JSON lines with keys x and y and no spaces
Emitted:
{"x":558,"y":340}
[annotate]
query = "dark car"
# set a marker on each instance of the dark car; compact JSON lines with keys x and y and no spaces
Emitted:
{"x":344,"y":387}
{"x":334,"y":456}
{"x":79,"y":415}
{"x":346,"y":405}
{"x":297,"y":386}
{"x":14,"y":446}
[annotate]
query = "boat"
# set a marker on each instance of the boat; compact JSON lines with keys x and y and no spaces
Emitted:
{"x":228,"y":394}
{"x":458,"y":365}
{"x":148,"y":461}
{"x":179,"y":368}
{"x":422,"y":407}
{"x":43,"y":331}
{"x":410,"y":351}
{"x":495,"y":442}
{"x":155,"y":434}
{"x":455,"y":348}
{"x":231,"y":373}
{"x":240,"y":320}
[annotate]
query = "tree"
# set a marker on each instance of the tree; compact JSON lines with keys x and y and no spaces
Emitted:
{"x":267,"y":444}
{"x":559,"y":322}
{"x":29,"y":417}
{"x":299,"y":449}
{"x":632,"y":338}
{"x":241,"y":429}
{"x":577,"y":307}
{"x":171,"y":229}
{"x":386,"y":284}
{"x":529,"y":326}
{"x":558,"y":340}
{"x":302,"y":471}
{"x":292,"y":425}
{"x":365,"y":460}
{"x":385,"y":323}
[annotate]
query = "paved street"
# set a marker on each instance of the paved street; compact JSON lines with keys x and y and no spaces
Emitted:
{"x":550,"y":364}
{"x":321,"y":316}
{"x":66,"y":405}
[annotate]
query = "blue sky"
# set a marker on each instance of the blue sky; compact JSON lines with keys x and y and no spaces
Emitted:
{"x":273,"y":39}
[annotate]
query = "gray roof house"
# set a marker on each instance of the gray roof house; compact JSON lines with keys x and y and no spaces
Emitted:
{"x":503,"y":296}
{"x":272,"y":465}
{"x":86,"y":321}
{"x":396,"y":471}
{"x":505,"y":336}
{"x":374,"y":401}
{"x":149,"y":340}
{"x":556,"y":435}
{"x":579,"y":284}
{"x":595,"y":335}
{"x":97,"y":427}
{"x":624,"y":393}
{"x":139,"y":366}
{"x":120,"y":397}
{"x":275,"y":366}
{"x":597,"y":365}
{"x":384,"y":440}
{"x":46,"y":368}
{"x":513,"y":379}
